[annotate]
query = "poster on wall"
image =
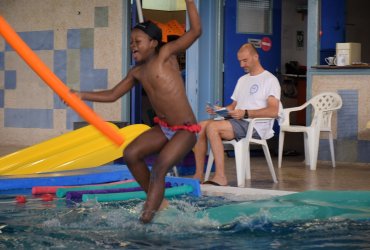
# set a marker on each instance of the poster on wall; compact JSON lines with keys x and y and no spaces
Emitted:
{"x":300,"y":39}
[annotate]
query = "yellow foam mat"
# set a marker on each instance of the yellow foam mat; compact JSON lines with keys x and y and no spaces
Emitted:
{"x":82,"y":148}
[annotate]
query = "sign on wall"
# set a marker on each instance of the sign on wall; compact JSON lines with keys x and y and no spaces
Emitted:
{"x":300,"y":39}
{"x":265,"y":43}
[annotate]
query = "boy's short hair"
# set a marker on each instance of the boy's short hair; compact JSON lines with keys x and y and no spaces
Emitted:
{"x":151,"y":29}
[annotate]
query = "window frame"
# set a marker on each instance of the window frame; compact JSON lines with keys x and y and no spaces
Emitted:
{"x":269,"y":25}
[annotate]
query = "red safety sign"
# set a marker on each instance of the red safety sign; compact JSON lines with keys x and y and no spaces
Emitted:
{"x":266,"y":43}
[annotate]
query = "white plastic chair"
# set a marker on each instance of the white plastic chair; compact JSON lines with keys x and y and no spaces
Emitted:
{"x":324,"y":105}
{"x":173,"y":172}
{"x":242,"y":154}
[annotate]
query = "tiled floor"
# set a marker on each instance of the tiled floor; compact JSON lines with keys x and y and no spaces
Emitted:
{"x":293,"y":176}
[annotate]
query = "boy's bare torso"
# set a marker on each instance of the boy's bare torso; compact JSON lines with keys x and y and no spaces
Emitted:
{"x":165,"y":88}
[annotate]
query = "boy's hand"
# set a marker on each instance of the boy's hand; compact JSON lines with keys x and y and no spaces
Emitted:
{"x":75,"y":92}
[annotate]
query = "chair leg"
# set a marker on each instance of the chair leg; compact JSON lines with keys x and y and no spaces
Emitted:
{"x":240,"y":160}
{"x":174,"y":172}
{"x":269,"y":161}
{"x":313,"y":145}
{"x":281,"y":147}
{"x":307,"y":154}
{"x":209,"y":165}
{"x":331,"y":144}
{"x":247,"y":161}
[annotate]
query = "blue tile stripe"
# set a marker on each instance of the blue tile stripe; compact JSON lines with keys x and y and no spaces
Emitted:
{"x":72,"y":117}
{"x":29,"y":118}
{"x":2,"y":61}
{"x":363,"y":150}
{"x":347,"y":122}
{"x":73,"y":39}
{"x":10,"y":79}
{"x":1,"y":98}
{"x":89,"y":78}
{"x":36,"y":40}
{"x":60,"y":70}
{"x":60,"y":64}
{"x":324,"y":150}
{"x":347,"y":132}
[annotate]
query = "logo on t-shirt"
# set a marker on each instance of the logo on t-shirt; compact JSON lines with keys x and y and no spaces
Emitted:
{"x":253,"y":89}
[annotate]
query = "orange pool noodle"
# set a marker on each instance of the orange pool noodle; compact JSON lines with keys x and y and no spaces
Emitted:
{"x":55,"y":83}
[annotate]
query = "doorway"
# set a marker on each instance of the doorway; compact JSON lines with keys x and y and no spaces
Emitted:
{"x":172,"y":20}
{"x":266,"y":37}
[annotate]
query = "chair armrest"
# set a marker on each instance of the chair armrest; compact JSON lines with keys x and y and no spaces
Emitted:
{"x":287,"y":111}
{"x":261,"y":119}
{"x":293,"y":109}
{"x":333,"y":109}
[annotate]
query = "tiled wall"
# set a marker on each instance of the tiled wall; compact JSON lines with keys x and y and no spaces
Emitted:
{"x":352,"y":138}
{"x":80,"y":41}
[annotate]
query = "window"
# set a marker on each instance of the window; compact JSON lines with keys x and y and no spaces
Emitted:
{"x":254,"y":16}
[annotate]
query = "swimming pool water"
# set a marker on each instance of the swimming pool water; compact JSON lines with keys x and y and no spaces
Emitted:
{"x":185,"y":225}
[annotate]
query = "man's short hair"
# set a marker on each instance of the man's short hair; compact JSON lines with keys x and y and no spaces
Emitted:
{"x":250,"y":47}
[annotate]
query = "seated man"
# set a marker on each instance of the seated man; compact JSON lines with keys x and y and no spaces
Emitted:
{"x":257,"y":94}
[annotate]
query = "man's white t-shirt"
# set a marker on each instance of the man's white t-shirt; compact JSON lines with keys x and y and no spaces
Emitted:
{"x":252,"y":92}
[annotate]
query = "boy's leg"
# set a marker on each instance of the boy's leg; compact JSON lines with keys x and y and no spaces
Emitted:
{"x":146,"y":144}
{"x":176,"y":149}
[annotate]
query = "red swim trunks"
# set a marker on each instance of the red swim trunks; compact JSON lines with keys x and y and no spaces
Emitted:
{"x":194,"y":128}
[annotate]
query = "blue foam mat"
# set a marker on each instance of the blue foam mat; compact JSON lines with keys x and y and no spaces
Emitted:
{"x":179,"y":181}
{"x":103,"y":174}
{"x":97,"y":175}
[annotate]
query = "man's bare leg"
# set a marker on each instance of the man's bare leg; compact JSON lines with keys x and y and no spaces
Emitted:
{"x":216,"y":131}
{"x":200,"y":152}
{"x":164,"y":205}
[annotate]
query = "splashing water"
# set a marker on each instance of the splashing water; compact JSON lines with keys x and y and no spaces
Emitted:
{"x":185,"y":224}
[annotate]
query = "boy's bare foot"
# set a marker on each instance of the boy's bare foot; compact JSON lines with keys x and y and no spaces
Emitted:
{"x":148,"y":215}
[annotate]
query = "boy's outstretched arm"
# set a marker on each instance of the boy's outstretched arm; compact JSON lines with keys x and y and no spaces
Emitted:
{"x":109,"y":95}
{"x":194,"y":19}
{"x":184,"y":42}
